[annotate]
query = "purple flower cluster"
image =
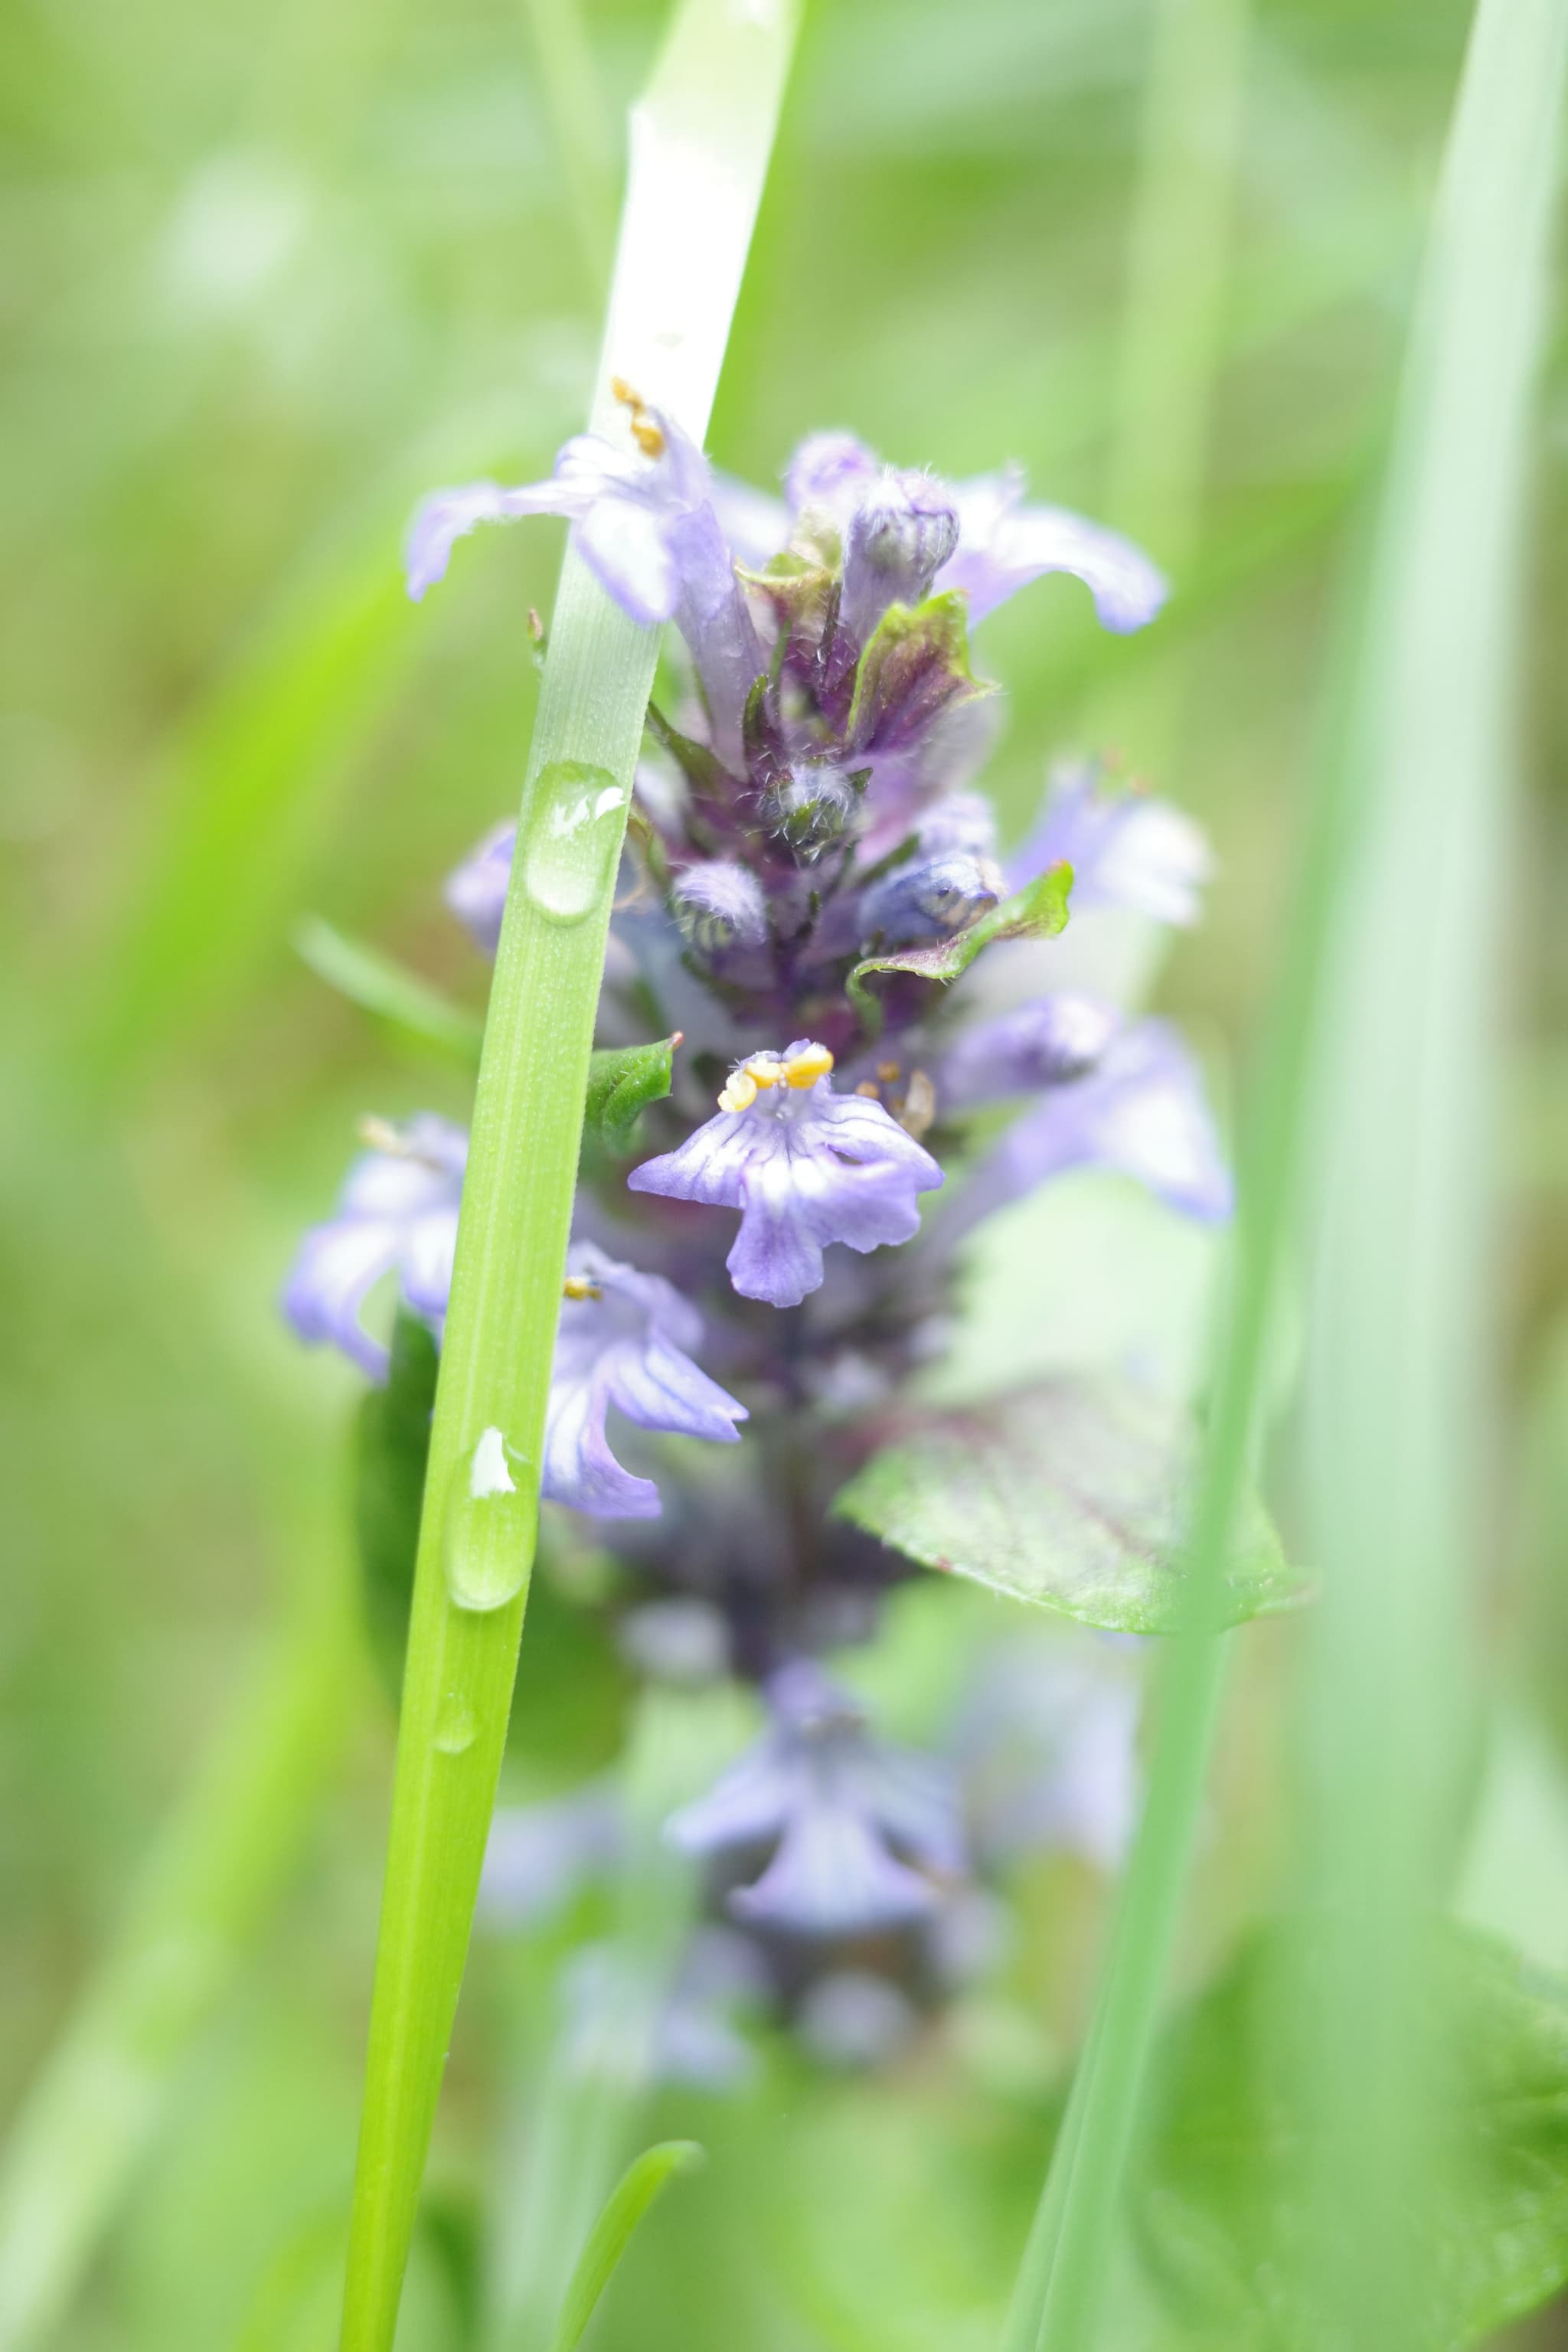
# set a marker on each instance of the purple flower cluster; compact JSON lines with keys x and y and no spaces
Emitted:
{"x":812,"y":880}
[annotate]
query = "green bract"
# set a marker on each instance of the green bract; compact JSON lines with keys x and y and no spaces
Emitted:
{"x":1073,"y":1495}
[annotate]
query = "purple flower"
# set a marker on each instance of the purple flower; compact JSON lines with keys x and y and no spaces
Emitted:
{"x":1139,"y":1111}
{"x":1125,"y":848}
{"x":645,"y":527}
{"x":854,"y":1824}
{"x":397,"y":1213}
{"x":625,"y":1341}
{"x":1045,"y":1044}
{"x":805,"y":1166}
{"x":475,"y":890}
{"x":1004,"y":543}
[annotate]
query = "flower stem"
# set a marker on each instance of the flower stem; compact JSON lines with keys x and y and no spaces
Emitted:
{"x":699,"y":144}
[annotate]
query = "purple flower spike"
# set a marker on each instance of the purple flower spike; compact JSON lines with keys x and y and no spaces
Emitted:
{"x":475,"y":890}
{"x":397,"y":1213}
{"x":1140,"y":1112}
{"x":854,"y":1825}
{"x":1005,"y":543}
{"x":1125,"y":848}
{"x":625,"y":1340}
{"x":805,"y":1166}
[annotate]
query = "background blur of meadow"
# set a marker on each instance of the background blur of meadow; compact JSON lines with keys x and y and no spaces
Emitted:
{"x":267,"y":274}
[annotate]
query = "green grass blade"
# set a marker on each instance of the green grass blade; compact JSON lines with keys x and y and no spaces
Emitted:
{"x":701,"y":141}
{"x":612,"y":2232}
{"x":1060,"y":2292}
{"x":387,"y":990}
{"x":1406,"y":1280}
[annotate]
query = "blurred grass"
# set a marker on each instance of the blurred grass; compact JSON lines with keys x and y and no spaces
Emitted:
{"x":254,"y":262}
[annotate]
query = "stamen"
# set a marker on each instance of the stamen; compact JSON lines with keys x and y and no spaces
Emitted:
{"x":740,"y":1092}
{"x":888,"y":1072}
{"x":577,"y":1286}
{"x":804,"y":1068}
{"x":870,"y":1089}
{"x":644,"y":431}
{"x":765,"y":1068}
{"x":382,"y":1135}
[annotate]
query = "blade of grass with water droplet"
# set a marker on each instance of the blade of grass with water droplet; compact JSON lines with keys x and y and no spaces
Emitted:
{"x":701,"y":141}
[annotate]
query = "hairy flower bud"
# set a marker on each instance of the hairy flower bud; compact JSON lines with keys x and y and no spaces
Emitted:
{"x":813,"y":804}
{"x":930,"y":898}
{"x":718,"y":905}
{"x":900,"y":536}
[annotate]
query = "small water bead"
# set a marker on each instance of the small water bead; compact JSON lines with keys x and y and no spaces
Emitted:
{"x":572,"y":830}
{"x":488,"y":1536}
{"x":455,"y":1725}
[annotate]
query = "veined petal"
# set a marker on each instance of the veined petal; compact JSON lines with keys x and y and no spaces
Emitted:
{"x":659,"y":1388}
{"x":428,"y":1246}
{"x":579,"y":1468}
{"x":337,"y":1264}
{"x":623,"y":541}
{"x":1052,"y":1041}
{"x":832,"y":1877}
{"x":1005,"y":543}
{"x":750,"y":1802}
{"x":793,"y":1206}
{"x":446,"y":516}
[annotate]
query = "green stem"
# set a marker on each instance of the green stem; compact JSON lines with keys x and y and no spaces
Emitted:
{"x":222,"y":1860}
{"x":701,"y":141}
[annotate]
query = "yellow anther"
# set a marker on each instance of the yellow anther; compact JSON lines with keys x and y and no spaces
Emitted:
{"x":644,"y":431}
{"x":740,"y":1092}
{"x":804,"y":1069}
{"x":870,"y":1087}
{"x":888,"y":1072}
{"x":577,"y":1286}
{"x":766,"y":1069}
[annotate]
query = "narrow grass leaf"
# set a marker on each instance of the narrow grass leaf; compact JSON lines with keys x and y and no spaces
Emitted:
{"x":699,"y":144}
{"x":388,"y":990}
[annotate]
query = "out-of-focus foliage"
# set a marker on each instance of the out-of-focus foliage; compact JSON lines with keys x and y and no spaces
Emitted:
{"x":269,"y":273}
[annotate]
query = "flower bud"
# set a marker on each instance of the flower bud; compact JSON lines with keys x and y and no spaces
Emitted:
{"x":930,"y":898}
{"x":900,"y":536}
{"x":718,"y":905}
{"x":813,"y":804}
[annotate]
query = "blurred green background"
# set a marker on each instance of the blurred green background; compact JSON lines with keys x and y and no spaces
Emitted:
{"x":267,"y":274}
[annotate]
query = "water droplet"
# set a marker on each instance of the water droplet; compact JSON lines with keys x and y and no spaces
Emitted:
{"x":455,"y":1725}
{"x":571,"y":832}
{"x":487,"y":1540}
